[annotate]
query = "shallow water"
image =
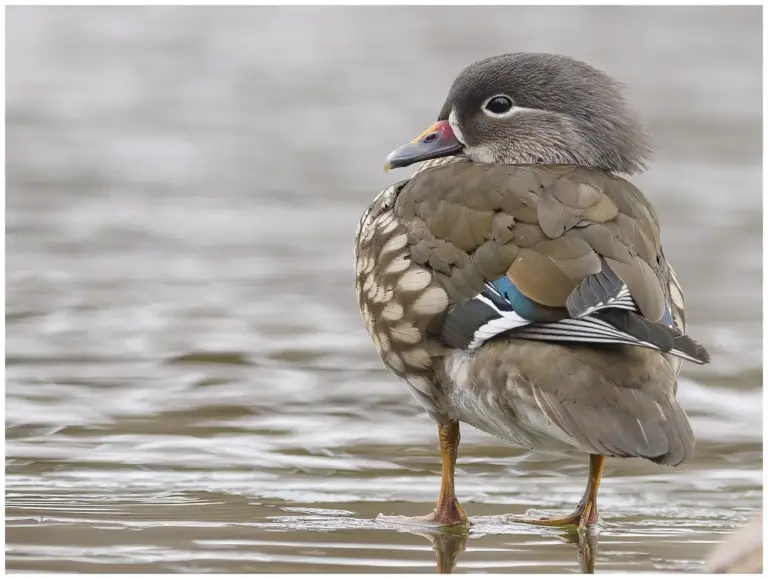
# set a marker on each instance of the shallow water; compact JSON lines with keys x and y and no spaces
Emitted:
{"x":188,"y":384}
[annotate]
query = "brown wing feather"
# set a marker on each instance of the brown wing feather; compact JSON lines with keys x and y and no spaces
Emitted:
{"x":544,"y":226}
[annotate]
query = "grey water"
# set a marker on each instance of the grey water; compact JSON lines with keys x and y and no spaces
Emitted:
{"x":189,"y":386}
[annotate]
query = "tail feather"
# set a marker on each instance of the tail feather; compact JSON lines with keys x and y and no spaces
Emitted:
{"x":679,"y":434}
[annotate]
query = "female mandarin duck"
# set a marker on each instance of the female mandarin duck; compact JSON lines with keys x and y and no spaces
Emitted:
{"x":517,"y":284}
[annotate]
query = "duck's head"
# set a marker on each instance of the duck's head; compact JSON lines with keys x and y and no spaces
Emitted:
{"x":526,"y":108}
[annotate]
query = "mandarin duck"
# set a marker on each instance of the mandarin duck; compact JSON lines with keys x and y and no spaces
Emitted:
{"x":517,"y":283}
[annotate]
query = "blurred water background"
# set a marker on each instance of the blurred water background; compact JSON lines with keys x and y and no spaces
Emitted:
{"x":189,"y":386}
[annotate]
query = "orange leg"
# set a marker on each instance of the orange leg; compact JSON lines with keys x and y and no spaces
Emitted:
{"x":586,"y":511}
{"x":448,"y":510}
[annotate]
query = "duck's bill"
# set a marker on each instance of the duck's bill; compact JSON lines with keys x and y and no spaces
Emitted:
{"x":437,"y":141}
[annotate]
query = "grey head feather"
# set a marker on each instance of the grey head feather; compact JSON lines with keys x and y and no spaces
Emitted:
{"x":565,"y":112}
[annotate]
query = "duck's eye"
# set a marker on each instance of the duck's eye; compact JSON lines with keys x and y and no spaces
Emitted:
{"x":499,"y":105}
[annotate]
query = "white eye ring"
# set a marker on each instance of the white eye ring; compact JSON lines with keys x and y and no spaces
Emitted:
{"x":503,"y":100}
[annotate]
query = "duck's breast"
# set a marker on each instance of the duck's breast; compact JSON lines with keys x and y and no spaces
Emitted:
{"x":399,"y":300}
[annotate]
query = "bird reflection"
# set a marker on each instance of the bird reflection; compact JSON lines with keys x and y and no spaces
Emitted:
{"x":448,"y":544}
{"x":587,"y":544}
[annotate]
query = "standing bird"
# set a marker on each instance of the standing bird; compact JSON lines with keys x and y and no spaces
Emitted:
{"x":517,"y":284}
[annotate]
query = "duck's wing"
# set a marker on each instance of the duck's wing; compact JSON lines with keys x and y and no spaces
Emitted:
{"x":550,"y":253}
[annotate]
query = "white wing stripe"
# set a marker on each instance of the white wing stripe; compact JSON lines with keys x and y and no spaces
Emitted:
{"x":508,"y":320}
{"x":585,"y":329}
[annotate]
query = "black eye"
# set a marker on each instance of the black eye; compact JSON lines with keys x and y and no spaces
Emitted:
{"x":499,"y":105}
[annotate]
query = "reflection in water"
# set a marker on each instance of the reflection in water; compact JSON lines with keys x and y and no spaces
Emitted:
{"x":587,"y":542}
{"x":449,"y":543}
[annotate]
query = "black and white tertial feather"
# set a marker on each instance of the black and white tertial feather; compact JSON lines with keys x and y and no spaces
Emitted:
{"x":607,"y":315}
{"x":596,"y":291}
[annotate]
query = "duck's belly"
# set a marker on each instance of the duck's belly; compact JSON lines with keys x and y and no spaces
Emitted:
{"x":497,"y":401}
